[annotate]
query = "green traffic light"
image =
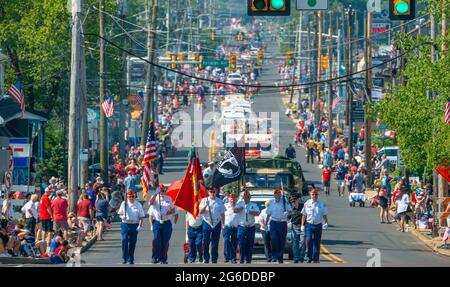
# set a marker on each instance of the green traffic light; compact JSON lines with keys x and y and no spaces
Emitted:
{"x":259,"y":4}
{"x":277,"y":4}
{"x":402,"y":7}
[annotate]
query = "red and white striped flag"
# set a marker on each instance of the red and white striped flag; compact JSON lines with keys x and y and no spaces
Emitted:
{"x":16,"y":93}
{"x":337,"y":101}
{"x":150,"y":155}
{"x":108,"y":107}
{"x":447,"y":112}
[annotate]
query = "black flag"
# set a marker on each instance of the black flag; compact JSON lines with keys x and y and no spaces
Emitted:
{"x":230,"y":168}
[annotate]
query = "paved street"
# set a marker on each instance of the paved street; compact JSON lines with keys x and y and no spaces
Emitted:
{"x":352,"y":233}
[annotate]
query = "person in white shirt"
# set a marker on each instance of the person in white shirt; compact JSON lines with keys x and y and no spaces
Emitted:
{"x":31,"y":213}
{"x":161,"y":213}
{"x":212,"y":210}
{"x":246,"y":230}
{"x":265,"y":233}
{"x":404,"y":208}
{"x":132,"y":215}
{"x":230,"y":230}
{"x":194,"y":237}
{"x":315,"y":212}
{"x":278,"y":212}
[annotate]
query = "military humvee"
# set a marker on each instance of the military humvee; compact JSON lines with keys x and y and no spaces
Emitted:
{"x":269,"y":173}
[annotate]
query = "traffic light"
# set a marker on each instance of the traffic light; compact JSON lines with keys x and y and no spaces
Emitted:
{"x":402,"y":9}
{"x":213,"y":35}
{"x":260,"y":57}
{"x":290,"y":58}
{"x":268,"y":7}
{"x":233,"y":62}
{"x":173,"y":58}
{"x":200,"y":59}
{"x":324,"y":63}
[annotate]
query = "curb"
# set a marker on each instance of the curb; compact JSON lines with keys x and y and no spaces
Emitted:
{"x":88,"y":245}
{"x":24,"y":260}
{"x":433,"y":245}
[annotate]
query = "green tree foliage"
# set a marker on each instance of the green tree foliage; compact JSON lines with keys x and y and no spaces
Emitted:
{"x":415,"y":110}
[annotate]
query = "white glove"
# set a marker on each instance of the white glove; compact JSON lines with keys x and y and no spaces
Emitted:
{"x":302,"y":228}
{"x":151,"y":227}
{"x":286,"y":214}
{"x":325,"y":226}
{"x":173,"y":225}
{"x":138,"y":228}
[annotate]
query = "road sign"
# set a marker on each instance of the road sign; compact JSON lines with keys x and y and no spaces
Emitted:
{"x":312,"y":4}
{"x":8,"y":180}
{"x":380,"y":27}
{"x":215,"y":63}
{"x":84,"y":154}
{"x":358,"y":111}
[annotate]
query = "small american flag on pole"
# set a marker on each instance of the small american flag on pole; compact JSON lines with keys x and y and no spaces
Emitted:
{"x":108,"y":107}
{"x":447,"y":112}
{"x":16,"y":93}
{"x":337,"y":101}
{"x":150,"y":155}
{"x":140,"y":98}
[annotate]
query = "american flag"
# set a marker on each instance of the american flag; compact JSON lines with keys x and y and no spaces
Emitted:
{"x":337,"y":101}
{"x":447,"y":112}
{"x":150,"y":155}
{"x":16,"y":92}
{"x":140,"y":98}
{"x":108,"y":107}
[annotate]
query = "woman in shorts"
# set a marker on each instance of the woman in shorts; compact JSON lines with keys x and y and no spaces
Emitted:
{"x":404,"y":208}
{"x":384,"y":200}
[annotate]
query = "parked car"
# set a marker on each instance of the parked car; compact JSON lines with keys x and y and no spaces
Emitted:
{"x":393,"y":155}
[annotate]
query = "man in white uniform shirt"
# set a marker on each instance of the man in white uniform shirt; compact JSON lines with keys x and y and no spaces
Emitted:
{"x":212,"y":210}
{"x":194,"y":237}
{"x":278,"y":212}
{"x":132,"y":215}
{"x":161,"y":214}
{"x":230,"y":230}
{"x":246,"y":230}
{"x":265,"y":233}
{"x":315,"y":213}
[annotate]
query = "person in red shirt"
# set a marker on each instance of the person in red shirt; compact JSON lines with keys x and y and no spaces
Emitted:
{"x":326,"y":179}
{"x":46,"y":214}
{"x":85,"y":213}
{"x":59,"y":208}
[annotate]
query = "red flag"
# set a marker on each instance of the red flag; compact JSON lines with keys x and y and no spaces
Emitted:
{"x":191,"y":191}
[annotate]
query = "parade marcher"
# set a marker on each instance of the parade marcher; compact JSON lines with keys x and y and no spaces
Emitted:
{"x":230,"y":230}
{"x":31,"y":214}
{"x":341,"y":171}
{"x":297,"y":235}
{"x":278,"y":212}
{"x":310,"y":146}
{"x":212,"y":210}
{"x":315,"y":213}
{"x":246,"y":230}
{"x":132,"y":215}
{"x":160,"y":214}
{"x":194,"y":237}
{"x":265,"y":231}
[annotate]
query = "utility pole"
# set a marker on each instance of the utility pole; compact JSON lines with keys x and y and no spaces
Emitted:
{"x":435,"y":226}
{"x":330,"y":84}
{"x":103,"y":120}
{"x":150,"y":52}
{"x":84,"y":134}
{"x":75,"y":93}
{"x":297,"y":54}
{"x":123,"y":12}
{"x":367,"y":123}
{"x":349,"y":68}
{"x":339,"y":86}
{"x":319,"y":56}
{"x":309,"y":61}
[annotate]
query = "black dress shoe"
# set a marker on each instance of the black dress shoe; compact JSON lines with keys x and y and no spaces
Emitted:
{"x":214,"y":262}
{"x":295,"y":261}
{"x":234,"y":261}
{"x":124,"y":262}
{"x":269,"y":260}
{"x":316,"y":261}
{"x":226,"y":261}
{"x":280,"y":261}
{"x":248,"y":262}
{"x":164,"y":262}
{"x":154,"y":261}
{"x":205,"y":262}
{"x":310,"y":260}
{"x":131,"y":262}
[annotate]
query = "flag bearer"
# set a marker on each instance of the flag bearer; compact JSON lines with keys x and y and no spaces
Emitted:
{"x":212,"y":210}
{"x":230,"y":230}
{"x":160,"y":213}
{"x":246,"y":230}
{"x":278,"y":212}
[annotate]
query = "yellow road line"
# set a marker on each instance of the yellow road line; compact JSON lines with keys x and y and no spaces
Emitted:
{"x":337,"y":258}
{"x":327,"y":257}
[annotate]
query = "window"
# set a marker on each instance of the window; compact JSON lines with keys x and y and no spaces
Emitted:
{"x":256,"y":181}
{"x":274,"y":181}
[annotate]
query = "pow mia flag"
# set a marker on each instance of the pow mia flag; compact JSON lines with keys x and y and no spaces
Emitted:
{"x":230,"y":168}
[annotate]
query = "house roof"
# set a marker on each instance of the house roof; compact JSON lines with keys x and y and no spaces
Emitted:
{"x":10,"y":110}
